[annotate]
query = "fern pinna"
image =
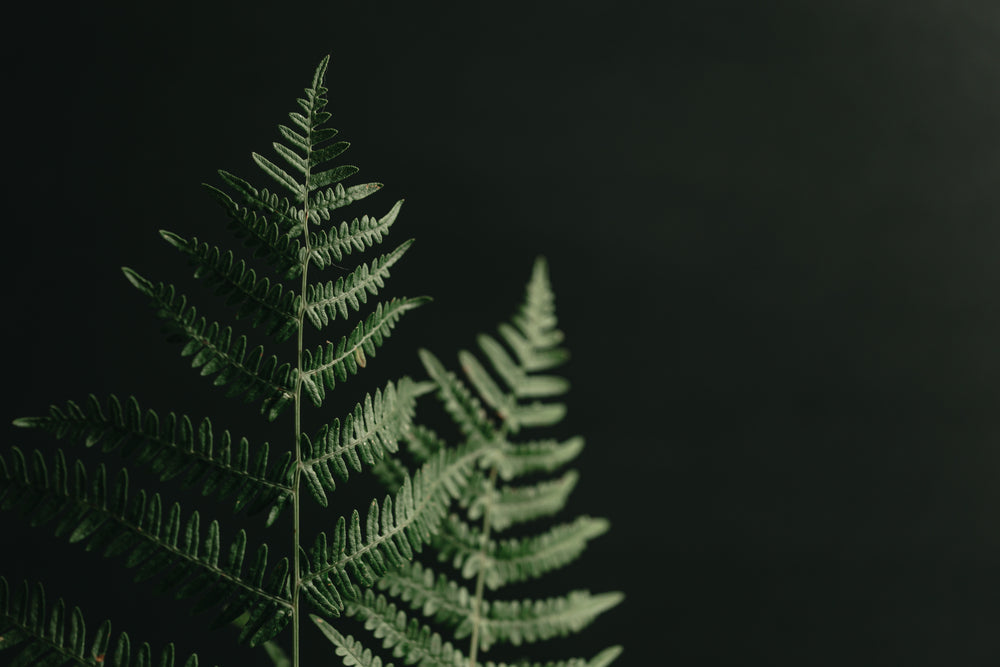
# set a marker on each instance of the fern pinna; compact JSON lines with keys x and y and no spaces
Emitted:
{"x":488,"y":418}
{"x":292,"y":231}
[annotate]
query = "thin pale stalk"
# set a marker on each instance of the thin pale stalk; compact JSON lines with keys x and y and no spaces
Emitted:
{"x":477,"y":603}
{"x":296,"y":500}
{"x":300,"y":373}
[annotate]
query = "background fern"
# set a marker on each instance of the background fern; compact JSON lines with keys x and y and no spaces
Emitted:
{"x":422,"y":617}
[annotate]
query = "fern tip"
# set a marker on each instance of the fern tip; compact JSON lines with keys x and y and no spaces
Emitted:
{"x":171,"y":238}
{"x":137,"y":280}
{"x":321,"y":71}
{"x":606,"y":657}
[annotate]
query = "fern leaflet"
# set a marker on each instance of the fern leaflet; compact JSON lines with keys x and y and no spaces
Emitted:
{"x":58,"y":640}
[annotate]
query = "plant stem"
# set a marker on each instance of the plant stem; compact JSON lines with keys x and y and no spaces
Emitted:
{"x":477,"y":602}
{"x":296,"y":501}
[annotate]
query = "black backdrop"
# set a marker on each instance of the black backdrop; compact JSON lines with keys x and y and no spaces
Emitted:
{"x":772,"y":231}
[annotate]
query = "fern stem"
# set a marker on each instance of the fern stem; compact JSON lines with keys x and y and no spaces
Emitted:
{"x":296,"y":502}
{"x":300,"y":373}
{"x":477,"y":602}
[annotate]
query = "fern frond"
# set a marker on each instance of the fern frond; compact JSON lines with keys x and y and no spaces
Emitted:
{"x":213,"y":350}
{"x":514,"y":414}
{"x":267,"y":239}
{"x":518,"y":559}
{"x":334,"y":362}
{"x":50,"y":641}
{"x":173,"y":446}
{"x":514,"y":622}
{"x":499,"y":401}
{"x":264,"y":303}
{"x":435,"y":596}
{"x":423,"y":443}
{"x":517,"y":459}
{"x":325,"y":302}
{"x":112,"y":522}
{"x":517,"y":504}
{"x":348,"y":648}
{"x":328,"y":247}
{"x":408,"y":639}
{"x":464,"y":408}
{"x":532,"y":334}
{"x":517,"y":377}
{"x":528,"y":621}
{"x":322,"y":203}
{"x":309,"y":149}
{"x":278,"y":209}
{"x":367,"y":435}
{"x":392,"y":533}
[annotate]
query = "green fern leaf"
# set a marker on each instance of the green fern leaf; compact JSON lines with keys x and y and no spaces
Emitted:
{"x":515,"y":415}
{"x":51,"y":641}
{"x":517,"y":459}
{"x":335,"y":362}
{"x":328,"y":247}
{"x":517,"y":504}
{"x":367,"y":435}
{"x":174,"y":447}
{"x":260,"y":211}
{"x":213,"y":350}
{"x":154,"y":544}
{"x":325,"y":302}
{"x":530,"y":621}
{"x":392,"y":533}
{"x":514,"y":560}
{"x":327,"y":153}
{"x":331,"y":176}
{"x":408,"y":639}
{"x":281,"y":176}
{"x":264,"y":303}
{"x":435,"y":596}
{"x":521,"y":383}
{"x":464,"y":408}
{"x":323,"y":203}
{"x":155,"y":540}
{"x":348,"y":648}
{"x":514,"y":622}
{"x":503,"y":399}
{"x":536,"y":323}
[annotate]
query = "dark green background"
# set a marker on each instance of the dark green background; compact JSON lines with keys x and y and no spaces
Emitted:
{"x":773,"y":233}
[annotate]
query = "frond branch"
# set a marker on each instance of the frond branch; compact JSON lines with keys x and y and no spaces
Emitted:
{"x":248,"y":374}
{"x":173,"y":446}
{"x":334,"y":362}
{"x":48,"y":640}
{"x":366,"y":435}
{"x":116,"y":524}
{"x":405,"y":523}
